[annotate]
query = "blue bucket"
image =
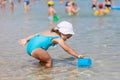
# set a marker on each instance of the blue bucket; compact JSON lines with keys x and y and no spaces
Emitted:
{"x":84,"y":62}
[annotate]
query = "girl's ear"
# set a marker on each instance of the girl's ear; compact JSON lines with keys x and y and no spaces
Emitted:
{"x":69,"y":36}
{"x":66,"y":36}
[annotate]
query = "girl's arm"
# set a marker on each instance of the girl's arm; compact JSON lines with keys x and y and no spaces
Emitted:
{"x":62,"y":43}
{"x":54,"y":11}
{"x":29,"y":37}
{"x":24,"y":41}
{"x":74,"y":11}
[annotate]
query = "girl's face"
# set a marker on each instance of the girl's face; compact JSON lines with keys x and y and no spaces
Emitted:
{"x":66,"y":36}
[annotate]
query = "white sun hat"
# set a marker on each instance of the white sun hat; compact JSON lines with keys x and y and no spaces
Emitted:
{"x":65,"y":27}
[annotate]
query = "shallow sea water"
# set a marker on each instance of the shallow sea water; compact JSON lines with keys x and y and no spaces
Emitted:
{"x":95,"y":37}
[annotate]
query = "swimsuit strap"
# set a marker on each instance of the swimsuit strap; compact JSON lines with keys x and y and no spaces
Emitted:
{"x":51,"y":37}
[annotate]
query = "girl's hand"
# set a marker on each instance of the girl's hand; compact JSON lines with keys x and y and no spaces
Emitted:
{"x":23,"y":42}
{"x":81,"y":56}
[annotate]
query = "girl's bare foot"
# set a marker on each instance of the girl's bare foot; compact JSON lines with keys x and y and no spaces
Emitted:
{"x":42,"y":63}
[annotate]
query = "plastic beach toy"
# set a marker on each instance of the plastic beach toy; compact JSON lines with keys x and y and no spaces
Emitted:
{"x":96,"y":13}
{"x":84,"y":62}
{"x":115,"y":7}
{"x":56,"y":18}
{"x":106,"y":11}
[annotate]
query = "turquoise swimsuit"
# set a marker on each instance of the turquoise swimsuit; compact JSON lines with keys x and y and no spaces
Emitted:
{"x":40,"y":41}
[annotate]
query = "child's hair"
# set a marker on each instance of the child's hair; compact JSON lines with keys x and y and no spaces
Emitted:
{"x":74,"y":4}
{"x":50,"y":5}
{"x":100,"y":6}
{"x":108,"y":0}
{"x":56,"y":31}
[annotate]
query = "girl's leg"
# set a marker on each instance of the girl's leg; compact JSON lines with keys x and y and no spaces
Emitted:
{"x":43,"y":56}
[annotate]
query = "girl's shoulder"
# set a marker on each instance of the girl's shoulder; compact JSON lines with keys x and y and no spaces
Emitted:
{"x":49,"y":33}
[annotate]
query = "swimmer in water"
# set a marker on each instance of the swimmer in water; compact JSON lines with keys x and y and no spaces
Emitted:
{"x":94,"y":4}
{"x":61,"y":1}
{"x":74,"y":9}
{"x":71,"y":8}
{"x":27,"y":5}
{"x":101,"y":11}
{"x":68,"y":6}
{"x":108,"y":4}
{"x":37,"y":44}
{"x":3,"y":4}
{"x":51,"y":13}
{"x":11,"y":6}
